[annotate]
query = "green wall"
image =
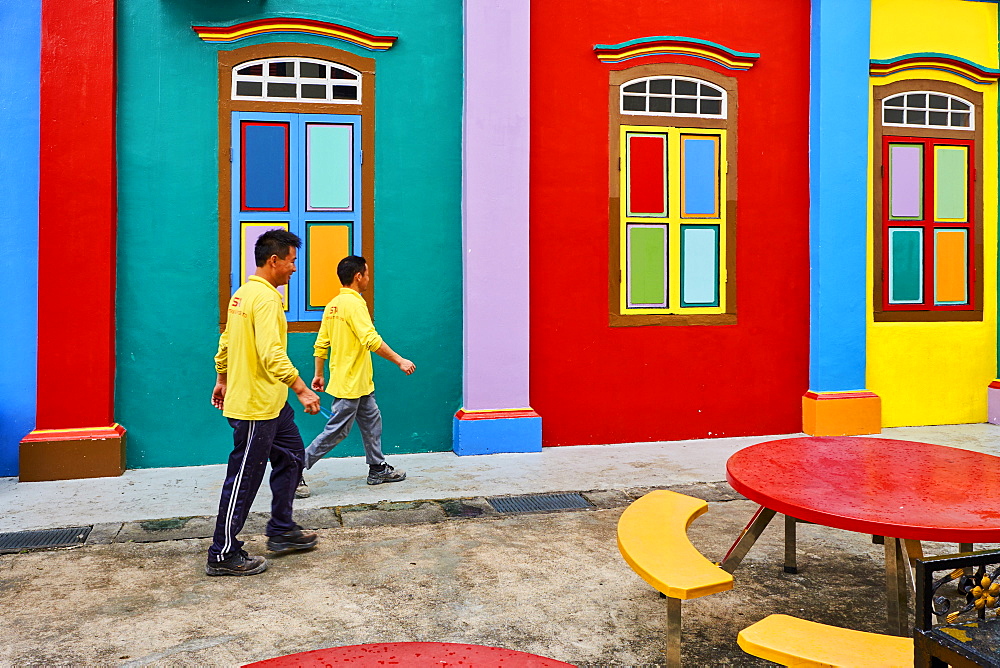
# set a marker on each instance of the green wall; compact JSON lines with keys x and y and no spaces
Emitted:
{"x":168,"y":221}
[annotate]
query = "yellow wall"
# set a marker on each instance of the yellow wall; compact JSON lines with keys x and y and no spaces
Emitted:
{"x":937,"y":373}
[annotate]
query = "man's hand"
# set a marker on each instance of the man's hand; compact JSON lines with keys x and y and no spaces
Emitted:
{"x":219,"y":393}
{"x":406,"y":366}
{"x":309,"y":399}
{"x":319,"y":382}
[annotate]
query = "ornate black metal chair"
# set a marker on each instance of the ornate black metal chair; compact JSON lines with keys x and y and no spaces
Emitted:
{"x":957,"y":620}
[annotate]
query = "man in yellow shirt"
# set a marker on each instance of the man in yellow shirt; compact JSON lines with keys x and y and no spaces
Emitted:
{"x":348,"y":336}
{"x":254,"y":375}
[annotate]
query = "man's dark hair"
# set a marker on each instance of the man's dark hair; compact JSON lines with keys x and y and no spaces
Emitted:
{"x":349,"y":266}
{"x":274,"y":242}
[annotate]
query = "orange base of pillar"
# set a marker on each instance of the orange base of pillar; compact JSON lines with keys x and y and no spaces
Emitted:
{"x":841,"y":413}
{"x":66,"y":454}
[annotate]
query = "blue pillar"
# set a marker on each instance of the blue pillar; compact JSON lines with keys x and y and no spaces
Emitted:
{"x":838,"y":219}
{"x":20,"y":25}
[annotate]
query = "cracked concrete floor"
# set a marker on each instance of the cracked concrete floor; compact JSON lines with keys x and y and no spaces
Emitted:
{"x":550,"y":584}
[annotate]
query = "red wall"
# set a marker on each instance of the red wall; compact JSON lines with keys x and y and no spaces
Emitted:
{"x":76,"y":215}
{"x":592,"y":383}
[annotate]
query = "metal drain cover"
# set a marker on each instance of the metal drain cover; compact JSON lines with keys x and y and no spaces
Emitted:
{"x":538,"y":502}
{"x":34,"y":540}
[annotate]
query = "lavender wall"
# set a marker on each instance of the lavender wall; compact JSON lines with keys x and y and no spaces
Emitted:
{"x":495,"y":205}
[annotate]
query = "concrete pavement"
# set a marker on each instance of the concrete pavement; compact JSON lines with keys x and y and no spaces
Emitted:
{"x":407,"y":570}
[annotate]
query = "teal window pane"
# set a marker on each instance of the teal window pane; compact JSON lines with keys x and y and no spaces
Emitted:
{"x":647,"y":252}
{"x":329,"y":167}
{"x":906,"y":266}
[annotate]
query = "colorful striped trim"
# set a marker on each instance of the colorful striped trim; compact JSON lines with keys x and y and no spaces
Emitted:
{"x":852,"y":394}
{"x":676,"y":46}
{"x":941,"y":62}
{"x":90,"y":433}
{"x":463,"y":414}
{"x":290,"y":25}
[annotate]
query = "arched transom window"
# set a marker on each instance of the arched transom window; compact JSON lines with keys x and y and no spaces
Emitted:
{"x":673,"y":96}
{"x":928,"y":110}
{"x":298,"y":79}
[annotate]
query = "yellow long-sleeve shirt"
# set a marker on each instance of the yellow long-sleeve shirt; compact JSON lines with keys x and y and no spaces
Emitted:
{"x":253,"y":353}
{"x":348,"y":336}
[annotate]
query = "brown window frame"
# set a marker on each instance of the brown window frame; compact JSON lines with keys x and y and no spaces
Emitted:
{"x":615,"y":271}
{"x":227,"y":60}
{"x":879,"y":133}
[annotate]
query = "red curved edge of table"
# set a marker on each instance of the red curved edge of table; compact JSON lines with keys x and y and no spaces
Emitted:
{"x":904,"y":491}
{"x":412,"y":655}
{"x":880,"y":486}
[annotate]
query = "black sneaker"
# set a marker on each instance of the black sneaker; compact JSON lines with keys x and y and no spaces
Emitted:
{"x":292,"y":540}
{"x":385,"y":473}
{"x":240,"y":563}
{"x":302,"y":491}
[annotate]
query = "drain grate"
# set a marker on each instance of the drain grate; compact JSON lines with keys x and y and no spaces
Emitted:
{"x":34,"y":540}
{"x":538,"y":502}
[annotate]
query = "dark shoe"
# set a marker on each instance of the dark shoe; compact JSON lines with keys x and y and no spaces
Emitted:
{"x":292,"y":540}
{"x":240,"y":563}
{"x":302,"y":491}
{"x":385,"y":473}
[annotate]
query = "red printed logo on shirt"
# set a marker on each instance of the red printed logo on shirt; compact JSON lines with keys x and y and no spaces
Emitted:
{"x":236,"y":301}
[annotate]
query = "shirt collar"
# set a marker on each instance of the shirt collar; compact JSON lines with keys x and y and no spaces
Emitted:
{"x":349,"y":291}
{"x":265,"y":282}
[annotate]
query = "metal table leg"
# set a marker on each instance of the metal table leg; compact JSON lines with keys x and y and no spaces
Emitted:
{"x":790,"y":566}
{"x":895,"y":587}
{"x":746,"y":539}
{"x":913,"y":550}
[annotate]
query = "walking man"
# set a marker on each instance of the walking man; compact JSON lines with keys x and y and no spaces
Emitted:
{"x":254,"y":374}
{"x":348,"y":336}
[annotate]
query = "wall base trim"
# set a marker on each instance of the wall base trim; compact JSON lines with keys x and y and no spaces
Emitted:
{"x":993,"y":402}
{"x":851,"y":413}
{"x":495,"y":431}
{"x":67,"y":454}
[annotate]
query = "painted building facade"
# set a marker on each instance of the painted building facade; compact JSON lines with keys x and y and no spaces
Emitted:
{"x":729,"y":220}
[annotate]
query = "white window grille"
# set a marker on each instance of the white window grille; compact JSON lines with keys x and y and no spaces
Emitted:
{"x":673,"y":96}
{"x":296,"y":79}
{"x":928,"y":110}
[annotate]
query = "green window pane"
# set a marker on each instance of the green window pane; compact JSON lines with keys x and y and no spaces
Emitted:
{"x":329,"y":166}
{"x":950,"y":182}
{"x":906,"y":270}
{"x":647,"y":266}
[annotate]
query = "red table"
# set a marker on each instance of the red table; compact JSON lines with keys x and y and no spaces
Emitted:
{"x":902,"y":490}
{"x":413,"y":655}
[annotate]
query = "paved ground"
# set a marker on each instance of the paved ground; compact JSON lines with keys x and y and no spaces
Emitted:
{"x":443,"y":569}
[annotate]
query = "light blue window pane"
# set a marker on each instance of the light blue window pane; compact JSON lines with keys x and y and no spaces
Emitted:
{"x":700,"y":265}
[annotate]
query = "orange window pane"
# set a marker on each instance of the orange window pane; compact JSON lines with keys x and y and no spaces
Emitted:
{"x":950,"y":267}
{"x":328,"y":245}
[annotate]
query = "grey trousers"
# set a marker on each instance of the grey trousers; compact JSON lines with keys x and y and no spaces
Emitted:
{"x":343,"y":412}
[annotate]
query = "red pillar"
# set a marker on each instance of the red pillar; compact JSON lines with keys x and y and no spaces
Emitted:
{"x":75,"y":435}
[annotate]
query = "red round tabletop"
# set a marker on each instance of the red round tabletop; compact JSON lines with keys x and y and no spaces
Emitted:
{"x":885,"y":487}
{"x":413,"y":655}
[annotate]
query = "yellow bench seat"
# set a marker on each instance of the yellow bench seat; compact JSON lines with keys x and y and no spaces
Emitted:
{"x":652,"y":537}
{"x":796,"y":642}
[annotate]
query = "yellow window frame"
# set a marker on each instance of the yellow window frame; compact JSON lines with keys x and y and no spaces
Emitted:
{"x":672,"y":220}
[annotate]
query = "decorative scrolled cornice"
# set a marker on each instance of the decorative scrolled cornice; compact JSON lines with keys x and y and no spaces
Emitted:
{"x":941,"y":62}
{"x":676,"y":46}
{"x":279,"y":25}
